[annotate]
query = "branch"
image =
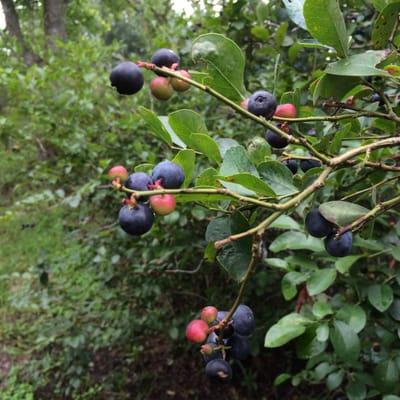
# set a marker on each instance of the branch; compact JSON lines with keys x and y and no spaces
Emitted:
{"x":360,"y":222}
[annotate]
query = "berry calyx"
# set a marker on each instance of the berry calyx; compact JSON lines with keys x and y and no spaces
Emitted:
{"x":317,"y":225}
{"x":163,"y":204}
{"x":160,"y":88}
{"x":196,"y":331}
{"x":136,"y":220}
{"x":127,"y":78}
{"x":305,"y":165}
{"x":170,"y":175}
{"x":219,"y":370}
{"x":178,"y":84}
{"x":340,"y":247}
{"x":291,"y":164}
{"x":286,"y":110}
{"x":139,"y":181}
{"x":118,"y":171}
{"x":276,"y":141}
{"x":262,"y":103}
{"x":209,"y":314}
{"x":164,"y":58}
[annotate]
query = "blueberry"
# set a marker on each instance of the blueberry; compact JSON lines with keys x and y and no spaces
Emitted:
{"x":311,"y":132}
{"x":170,"y":174}
{"x":243,"y":320}
{"x":240,"y":347}
{"x":127,"y":78}
{"x":305,"y":165}
{"x":136,"y":220}
{"x":164,"y":58}
{"x":317,"y":225}
{"x":276,"y":141}
{"x":340,"y":247}
{"x":262,"y":103}
{"x":138,"y":181}
{"x":291,"y":164}
{"x":219,"y":370}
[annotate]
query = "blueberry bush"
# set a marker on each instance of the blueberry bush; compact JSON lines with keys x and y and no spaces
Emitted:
{"x":258,"y":137}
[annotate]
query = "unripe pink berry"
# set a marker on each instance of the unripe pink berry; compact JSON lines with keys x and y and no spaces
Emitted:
{"x":196,"y":331}
{"x":209,"y":314}
{"x":118,"y":171}
{"x":286,"y":110}
{"x":244,"y":103}
{"x":161,"y":88}
{"x":180,"y":85}
{"x":163,"y":204}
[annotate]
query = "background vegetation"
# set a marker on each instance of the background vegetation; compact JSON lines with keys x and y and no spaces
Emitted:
{"x":89,"y":313}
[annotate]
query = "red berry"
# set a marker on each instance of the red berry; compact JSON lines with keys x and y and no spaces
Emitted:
{"x":196,"y":331}
{"x":209,"y":314}
{"x":163,"y":204}
{"x":178,"y":84}
{"x":118,"y":171}
{"x":161,"y":88}
{"x":286,"y":110}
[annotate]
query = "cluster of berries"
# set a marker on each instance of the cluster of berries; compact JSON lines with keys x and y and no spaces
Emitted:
{"x":320,"y":227}
{"x":128,"y":79}
{"x":136,"y":217}
{"x":222,"y":340}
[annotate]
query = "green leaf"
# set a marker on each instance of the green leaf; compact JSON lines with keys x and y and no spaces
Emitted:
{"x":333,"y":86}
{"x":345,"y":341}
{"x":308,"y":346}
{"x":234,"y":257}
{"x":353,"y":315}
{"x":343,"y":264}
{"x":341,"y":213}
{"x":289,"y":283}
{"x":225,"y":64}
{"x":334,"y":380}
{"x":278,"y":177}
{"x":276,"y":263}
{"x":356,"y":391}
{"x":250,"y":182}
{"x":325,"y":23}
{"x":260,"y":32}
{"x":384,"y":24}
{"x":258,"y":149}
{"x":186,"y":159}
{"x":321,"y":309}
{"x":292,"y":240}
{"x":206,"y":145}
{"x":190,"y":198}
{"x":155,"y":125}
{"x":186,"y":122}
{"x":380,"y":296}
{"x":174,"y":137}
{"x":145,"y":167}
{"x":295,"y":12}
{"x":285,"y":222}
{"x":225,"y":144}
{"x":208,"y":177}
{"x":386,"y":376}
{"x":286,"y":329}
{"x":362,"y":64}
{"x":322,"y":332}
{"x":320,"y":280}
{"x":281,"y":378}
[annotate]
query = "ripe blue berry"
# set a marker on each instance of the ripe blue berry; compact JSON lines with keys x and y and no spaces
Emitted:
{"x":138,"y":181}
{"x":317,"y":225}
{"x":170,"y":174}
{"x":305,"y":165}
{"x":262,"y":103}
{"x":164,"y":58}
{"x":127,"y":78}
{"x":276,"y":141}
{"x":219,"y":370}
{"x":240,"y":347}
{"x":243,"y":320}
{"x":340,"y":247}
{"x":291,"y":164}
{"x":136,"y":220}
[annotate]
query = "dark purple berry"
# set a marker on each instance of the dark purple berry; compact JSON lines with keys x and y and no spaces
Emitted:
{"x":291,"y":164}
{"x":276,"y":141}
{"x":305,"y":165}
{"x":127,"y":78}
{"x":317,"y":225}
{"x":164,"y":58}
{"x":219,"y":370}
{"x":138,"y":181}
{"x":340,"y":247}
{"x":170,"y":175}
{"x":240,"y":347}
{"x":243,"y":320}
{"x":262,"y":103}
{"x":136,"y":220}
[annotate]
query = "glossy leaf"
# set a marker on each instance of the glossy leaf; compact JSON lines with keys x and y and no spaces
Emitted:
{"x":320,"y":280}
{"x":206,"y":145}
{"x":380,"y":296}
{"x":384,"y":24}
{"x":293,"y":240}
{"x":345,"y":341}
{"x":186,"y":159}
{"x":295,"y":12}
{"x":278,"y":177}
{"x":342,"y":213}
{"x":155,"y":125}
